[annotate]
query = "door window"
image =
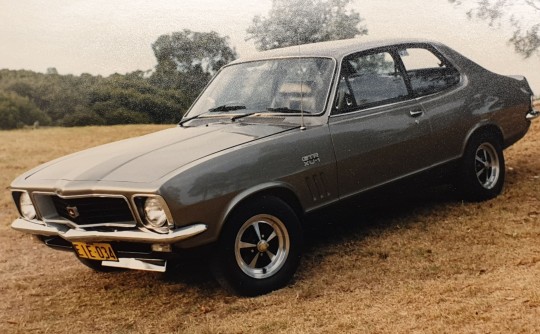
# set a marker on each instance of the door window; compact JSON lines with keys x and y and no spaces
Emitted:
{"x":428,"y":73}
{"x":369,"y":80}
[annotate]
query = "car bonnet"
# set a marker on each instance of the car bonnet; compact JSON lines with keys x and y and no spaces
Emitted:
{"x":151,"y":157}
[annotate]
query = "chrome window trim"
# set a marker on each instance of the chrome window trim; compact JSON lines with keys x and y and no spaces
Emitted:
{"x":410,"y":96}
{"x":372,"y":110}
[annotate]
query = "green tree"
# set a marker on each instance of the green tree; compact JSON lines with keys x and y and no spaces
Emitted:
{"x":130,"y":98}
{"x":292,"y":22}
{"x":188,"y":59}
{"x":522,"y":15}
{"x":17,"y":111}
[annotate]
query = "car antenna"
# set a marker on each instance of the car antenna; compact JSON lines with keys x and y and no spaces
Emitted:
{"x":302,"y":124}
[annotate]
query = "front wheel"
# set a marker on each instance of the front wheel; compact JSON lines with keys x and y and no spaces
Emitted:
{"x":260,"y":247}
{"x":482,"y":169}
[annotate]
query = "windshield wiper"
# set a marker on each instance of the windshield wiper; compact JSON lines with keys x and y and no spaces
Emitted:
{"x":226,"y":108}
{"x":205,"y":113}
{"x":185,"y":120}
{"x":234,"y":118}
{"x":286,"y":109}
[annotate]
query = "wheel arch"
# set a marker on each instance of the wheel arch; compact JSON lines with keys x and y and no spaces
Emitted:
{"x":280,"y":190}
{"x":490,"y":128}
{"x":471,"y":165}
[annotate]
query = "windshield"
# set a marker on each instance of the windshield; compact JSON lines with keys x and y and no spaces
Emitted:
{"x":277,"y":85}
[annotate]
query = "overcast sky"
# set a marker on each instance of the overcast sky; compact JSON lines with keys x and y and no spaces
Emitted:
{"x":108,"y":36}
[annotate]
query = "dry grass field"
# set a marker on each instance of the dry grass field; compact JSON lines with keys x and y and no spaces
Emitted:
{"x":417,"y":262}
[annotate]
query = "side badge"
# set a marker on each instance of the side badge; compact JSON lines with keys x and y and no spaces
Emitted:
{"x":311,"y":159}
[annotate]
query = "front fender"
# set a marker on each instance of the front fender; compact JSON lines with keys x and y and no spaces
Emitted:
{"x":207,"y":191}
{"x":269,"y":187}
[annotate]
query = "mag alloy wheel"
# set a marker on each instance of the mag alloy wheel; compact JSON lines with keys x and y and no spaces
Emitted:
{"x":262,"y":246}
{"x":481,"y":174}
{"x":487,"y":166}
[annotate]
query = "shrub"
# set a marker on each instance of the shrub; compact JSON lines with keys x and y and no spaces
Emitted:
{"x":83,"y":117}
{"x":17,"y":111}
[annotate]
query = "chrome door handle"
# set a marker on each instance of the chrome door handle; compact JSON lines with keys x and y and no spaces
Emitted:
{"x":416,"y":113}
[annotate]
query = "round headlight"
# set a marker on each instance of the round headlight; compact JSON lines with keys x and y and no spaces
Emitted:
{"x":27,"y":208}
{"x":154,"y":213}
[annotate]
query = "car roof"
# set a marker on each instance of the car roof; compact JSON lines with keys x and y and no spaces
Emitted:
{"x":333,"y":49}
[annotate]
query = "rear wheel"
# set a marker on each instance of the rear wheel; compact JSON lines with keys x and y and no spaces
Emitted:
{"x":482,"y":169}
{"x":260,"y":247}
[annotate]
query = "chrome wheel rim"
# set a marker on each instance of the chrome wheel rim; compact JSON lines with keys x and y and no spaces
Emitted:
{"x":487,"y":166}
{"x":262,"y":246}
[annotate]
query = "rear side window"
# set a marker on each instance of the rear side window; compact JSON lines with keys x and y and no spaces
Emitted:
{"x":369,"y":80}
{"x":428,"y":72}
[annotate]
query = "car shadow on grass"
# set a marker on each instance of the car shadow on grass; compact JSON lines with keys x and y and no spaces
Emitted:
{"x":373,"y":212}
{"x":355,"y":219}
{"x":190,"y":271}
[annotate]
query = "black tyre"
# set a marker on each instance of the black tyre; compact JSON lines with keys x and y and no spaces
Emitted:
{"x":482,"y":169}
{"x":97,"y":266}
{"x":259,"y":248}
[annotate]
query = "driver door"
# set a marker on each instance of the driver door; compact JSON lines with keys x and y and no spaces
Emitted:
{"x":379,"y":132}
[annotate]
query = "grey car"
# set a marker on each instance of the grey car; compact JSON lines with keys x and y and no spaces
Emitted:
{"x":271,"y":138}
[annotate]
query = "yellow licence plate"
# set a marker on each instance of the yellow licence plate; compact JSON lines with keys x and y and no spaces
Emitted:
{"x":102,"y":252}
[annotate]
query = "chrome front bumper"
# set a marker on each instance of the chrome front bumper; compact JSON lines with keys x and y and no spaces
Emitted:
{"x":533,"y":114}
{"x":72,"y":235}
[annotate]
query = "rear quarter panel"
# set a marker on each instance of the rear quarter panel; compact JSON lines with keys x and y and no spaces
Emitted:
{"x":481,"y":98}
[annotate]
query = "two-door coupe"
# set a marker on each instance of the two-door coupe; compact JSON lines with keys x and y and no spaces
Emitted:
{"x":271,"y":138}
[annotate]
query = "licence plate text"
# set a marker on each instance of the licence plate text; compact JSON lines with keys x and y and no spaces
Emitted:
{"x":103,"y":252}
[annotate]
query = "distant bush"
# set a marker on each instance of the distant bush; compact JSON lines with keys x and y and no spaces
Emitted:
{"x":133,"y":98}
{"x":83,"y":117}
{"x":17,"y":111}
{"x":125,"y":116}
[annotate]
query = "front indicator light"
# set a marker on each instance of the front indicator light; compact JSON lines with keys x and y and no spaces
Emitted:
{"x":27,"y":208}
{"x":164,"y":248}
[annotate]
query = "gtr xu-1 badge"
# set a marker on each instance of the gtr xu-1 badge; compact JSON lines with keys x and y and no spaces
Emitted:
{"x":311,"y":159}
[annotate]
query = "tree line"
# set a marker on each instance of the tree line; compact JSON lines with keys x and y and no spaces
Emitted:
{"x":186,"y":61}
{"x":28,"y":98}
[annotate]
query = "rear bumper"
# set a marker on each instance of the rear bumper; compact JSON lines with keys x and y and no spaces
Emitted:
{"x":136,"y":236}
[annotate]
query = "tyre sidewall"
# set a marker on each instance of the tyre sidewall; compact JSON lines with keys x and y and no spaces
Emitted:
{"x":225,"y":267}
{"x":470,"y":186}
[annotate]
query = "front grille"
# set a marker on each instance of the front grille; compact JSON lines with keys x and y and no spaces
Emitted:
{"x":86,"y":211}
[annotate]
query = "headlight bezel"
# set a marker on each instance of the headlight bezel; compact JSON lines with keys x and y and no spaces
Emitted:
{"x":142,"y":201}
{"x":25,"y":205}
